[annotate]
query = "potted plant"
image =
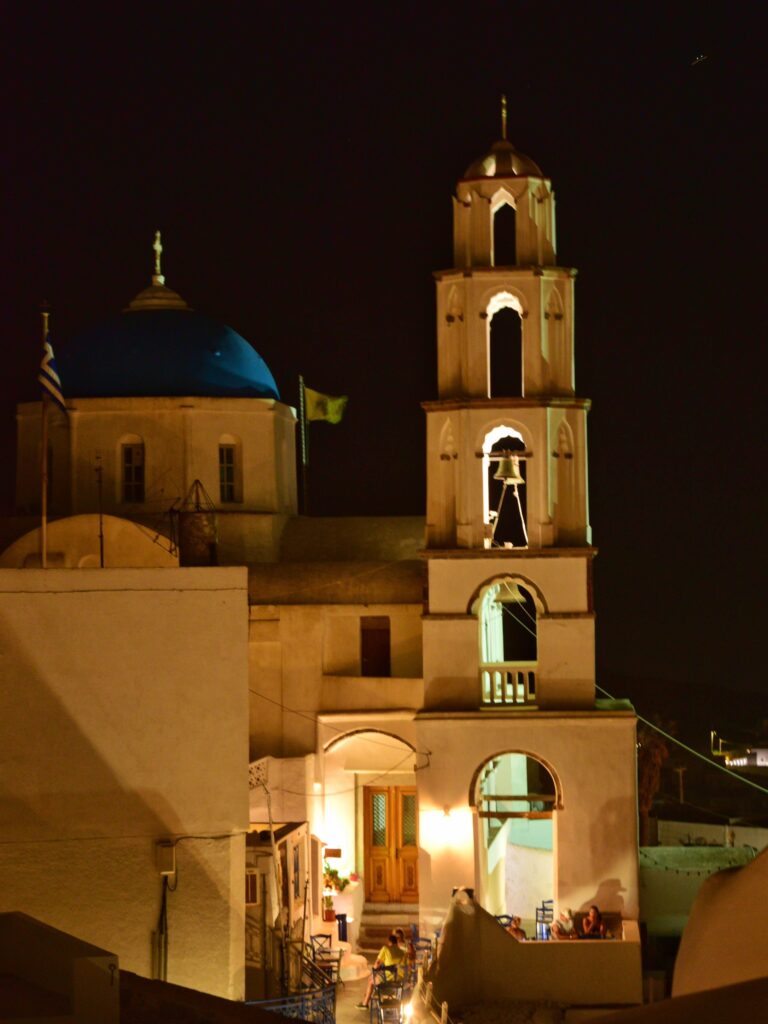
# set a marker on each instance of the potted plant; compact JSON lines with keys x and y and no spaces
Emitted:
{"x":333,"y":882}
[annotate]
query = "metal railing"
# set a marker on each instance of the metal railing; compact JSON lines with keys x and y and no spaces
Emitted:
{"x":312,"y":986}
{"x":508,"y":682}
{"x":315,"y":1005}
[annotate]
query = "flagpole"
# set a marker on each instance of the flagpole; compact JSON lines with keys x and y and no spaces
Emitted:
{"x":44,"y":314}
{"x":304,"y":447}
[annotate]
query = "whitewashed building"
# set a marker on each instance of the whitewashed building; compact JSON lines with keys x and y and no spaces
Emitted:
{"x":422,"y":694}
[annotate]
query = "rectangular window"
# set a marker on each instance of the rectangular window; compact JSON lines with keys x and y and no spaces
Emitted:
{"x":133,"y":472}
{"x":374,"y":646}
{"x":252,"y":880}
{"x":227,"y":472}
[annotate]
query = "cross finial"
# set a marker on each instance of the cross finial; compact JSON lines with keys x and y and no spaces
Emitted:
{"x":157,"y":277}
{"x":504,"y":116}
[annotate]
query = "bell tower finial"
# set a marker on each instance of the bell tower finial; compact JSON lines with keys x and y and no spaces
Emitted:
{"x":157,"y":277}
{"x":504,"y":116}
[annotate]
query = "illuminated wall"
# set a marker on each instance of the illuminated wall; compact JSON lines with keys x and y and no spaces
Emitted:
{"x":123,"y":720}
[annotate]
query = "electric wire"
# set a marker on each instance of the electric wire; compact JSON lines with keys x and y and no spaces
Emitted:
{"x":526,"y":627}
{"x":327,"y":725}
{"x":690,"y":750}
{"x":280,"y":597}
{"x":353,"y":789}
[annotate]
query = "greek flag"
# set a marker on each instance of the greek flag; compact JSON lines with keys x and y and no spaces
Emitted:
{"x":49,"y":377}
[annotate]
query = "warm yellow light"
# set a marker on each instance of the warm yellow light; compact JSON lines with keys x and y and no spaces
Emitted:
{"x":446,"y":826}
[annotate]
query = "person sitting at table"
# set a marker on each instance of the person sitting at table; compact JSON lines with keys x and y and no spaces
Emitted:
{"x":563,"y":927}
{"x":390,"y":955}
{"x":592,"y":924}
{"x":516,"y":931}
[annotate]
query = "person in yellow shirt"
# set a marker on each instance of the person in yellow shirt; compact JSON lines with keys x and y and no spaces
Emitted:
{"x":390,"y":955}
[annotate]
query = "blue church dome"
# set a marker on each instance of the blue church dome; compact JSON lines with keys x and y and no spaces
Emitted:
{"x":159,"y":347}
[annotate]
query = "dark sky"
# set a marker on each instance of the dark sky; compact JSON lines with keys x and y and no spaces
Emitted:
{"x":300,"y":161}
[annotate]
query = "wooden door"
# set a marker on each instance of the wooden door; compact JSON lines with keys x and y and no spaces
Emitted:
{"x":391,"y":844}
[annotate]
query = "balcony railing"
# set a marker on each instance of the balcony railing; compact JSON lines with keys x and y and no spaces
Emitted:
{"x":508,"y":683}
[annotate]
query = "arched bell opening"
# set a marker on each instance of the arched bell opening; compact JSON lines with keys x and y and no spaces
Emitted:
{"x":516,"y":796}
{"x":505,"y":347}
{"x":505,"y":236}
{"x":504,"y":489}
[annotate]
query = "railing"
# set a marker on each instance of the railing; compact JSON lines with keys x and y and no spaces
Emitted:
{"x":508,"y":682}
{"x":315,"y":999}
{"x":315,"y":1005}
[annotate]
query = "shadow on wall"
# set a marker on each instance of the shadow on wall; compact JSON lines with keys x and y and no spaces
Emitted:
{"x":78,"y":842}
{"x":607,"y":897}
{"x":609,"y":818}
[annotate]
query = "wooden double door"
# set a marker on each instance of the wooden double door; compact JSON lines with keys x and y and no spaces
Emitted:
{"x":391,"y":824}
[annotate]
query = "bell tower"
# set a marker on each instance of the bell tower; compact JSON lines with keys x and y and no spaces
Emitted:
{"x":509,"y":627}
{"x":505,"y":369}
{"x":507,"y":442}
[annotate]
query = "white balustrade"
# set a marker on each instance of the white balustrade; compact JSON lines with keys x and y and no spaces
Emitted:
{"x":508,"y":683}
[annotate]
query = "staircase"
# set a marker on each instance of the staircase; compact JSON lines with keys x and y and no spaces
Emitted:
{"x":378,"y":920}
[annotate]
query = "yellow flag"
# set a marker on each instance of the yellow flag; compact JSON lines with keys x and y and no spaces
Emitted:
{"x":324,"y":407}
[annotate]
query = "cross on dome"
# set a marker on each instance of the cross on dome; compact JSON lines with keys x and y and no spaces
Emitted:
{"x":157,"y":245}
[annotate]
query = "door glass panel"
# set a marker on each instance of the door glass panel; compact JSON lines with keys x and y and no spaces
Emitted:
{"x":379,"y":819}
{"x":409,"y":819}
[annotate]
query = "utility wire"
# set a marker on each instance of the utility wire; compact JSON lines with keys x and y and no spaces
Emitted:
{"x":353,"y":789}
{"x":690,"y":750}
{"x":520,"y":622}
{"x":326,"y":725}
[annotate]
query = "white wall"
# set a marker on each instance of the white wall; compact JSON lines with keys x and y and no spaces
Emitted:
{"x":123,"y":720}
{"x":595,"y":833}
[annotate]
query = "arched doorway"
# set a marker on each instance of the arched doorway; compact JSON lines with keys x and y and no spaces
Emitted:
{"x":370,"y":812}
{"x":516,"y":796}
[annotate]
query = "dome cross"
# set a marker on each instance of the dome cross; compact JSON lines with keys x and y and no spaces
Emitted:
{"x":157,"y":245}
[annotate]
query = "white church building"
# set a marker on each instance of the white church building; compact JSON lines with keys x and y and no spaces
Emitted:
{"x":421,"y":693}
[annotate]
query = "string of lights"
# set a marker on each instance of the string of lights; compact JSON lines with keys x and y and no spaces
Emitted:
{"x":734,"y":862}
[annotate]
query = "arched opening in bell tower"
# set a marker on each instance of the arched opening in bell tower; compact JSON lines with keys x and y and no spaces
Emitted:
{"x":504,"y":502}
{"x":508,"y":610}
{"x":505,"y":347}
{"x":505,"y":236}
{"x":516,"y":796}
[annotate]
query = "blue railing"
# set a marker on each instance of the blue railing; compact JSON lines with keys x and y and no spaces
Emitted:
{"x":315,"y":1005}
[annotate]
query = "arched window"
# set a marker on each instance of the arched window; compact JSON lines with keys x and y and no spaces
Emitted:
{"x":505,"y":347}
{"x":131,"y":476}
{"x":230,"y":469}
{"x":504,"y":236}
{"x":507,"y":618}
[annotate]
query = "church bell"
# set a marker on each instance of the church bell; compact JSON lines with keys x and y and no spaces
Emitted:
{"x":508,"y":471}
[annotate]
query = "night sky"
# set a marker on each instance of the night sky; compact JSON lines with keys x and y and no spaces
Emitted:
{"x":300,"y":161}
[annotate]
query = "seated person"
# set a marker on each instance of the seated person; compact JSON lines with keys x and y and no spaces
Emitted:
{"x":516,"y":931}
{"x":390,"y":955}
{"x":406,"y":945}
{"x":563,"y":927}
{"x":592,"y":925}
